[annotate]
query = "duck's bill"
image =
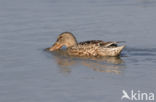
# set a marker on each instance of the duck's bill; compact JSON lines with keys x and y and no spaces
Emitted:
{"x":56,"y":46}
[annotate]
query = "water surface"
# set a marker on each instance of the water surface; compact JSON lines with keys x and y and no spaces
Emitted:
{"x":30,"y":74}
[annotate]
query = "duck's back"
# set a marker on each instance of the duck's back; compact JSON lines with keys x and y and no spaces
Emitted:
{"x":100,"y":43}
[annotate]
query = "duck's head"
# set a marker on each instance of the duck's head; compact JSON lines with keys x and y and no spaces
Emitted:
{"x":64,"y":39}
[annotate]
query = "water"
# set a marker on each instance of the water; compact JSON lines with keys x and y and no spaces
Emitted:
{"x":30,"y":74}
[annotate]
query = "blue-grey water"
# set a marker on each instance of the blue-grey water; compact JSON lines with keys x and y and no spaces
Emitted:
{"x":30,"y":74}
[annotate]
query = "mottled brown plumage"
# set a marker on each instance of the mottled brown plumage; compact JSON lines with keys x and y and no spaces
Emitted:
{"x":86,"y":48}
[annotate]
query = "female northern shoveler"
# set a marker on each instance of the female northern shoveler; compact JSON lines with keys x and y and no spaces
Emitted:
{"x":87,"y":48}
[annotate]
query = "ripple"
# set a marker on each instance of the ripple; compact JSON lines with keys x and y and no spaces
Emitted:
{"x":140,"y":52}
{"x":103,"y":64}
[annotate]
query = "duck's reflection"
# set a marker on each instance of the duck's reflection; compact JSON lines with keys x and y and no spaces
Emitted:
{"x":103,"y":64}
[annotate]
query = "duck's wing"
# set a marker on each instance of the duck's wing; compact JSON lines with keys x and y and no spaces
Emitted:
{"x":101,"y":43}
{"x":110,"y":44}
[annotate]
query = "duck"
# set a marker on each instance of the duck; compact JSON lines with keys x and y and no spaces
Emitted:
{"x":90,"y":48}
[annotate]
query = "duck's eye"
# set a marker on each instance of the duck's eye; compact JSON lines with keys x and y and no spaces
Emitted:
{"x":60,"y":37}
